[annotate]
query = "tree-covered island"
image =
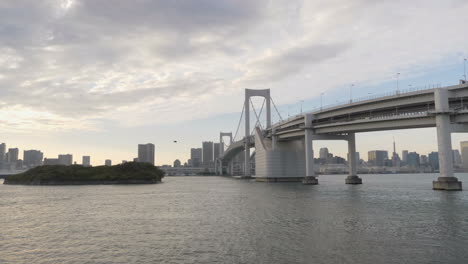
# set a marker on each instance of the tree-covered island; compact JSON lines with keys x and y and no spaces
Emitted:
{"x":126,"y":173}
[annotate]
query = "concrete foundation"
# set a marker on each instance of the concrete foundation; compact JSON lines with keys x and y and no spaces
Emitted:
{"x":353,"y":180}
{"x":273,"y":179}
{"x":447,"y":184}
{"x":310,"y":180}
{"x":283,"y":163}
{"x":243,"y":177}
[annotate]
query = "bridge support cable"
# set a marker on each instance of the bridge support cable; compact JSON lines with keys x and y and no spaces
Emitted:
{"x":276,"y":108}
{"x":240,"y":120}
{"x":257,"y":116}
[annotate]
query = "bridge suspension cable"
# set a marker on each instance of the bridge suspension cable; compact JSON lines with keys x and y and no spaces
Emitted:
{"x":257,"y":116}
{"x":240,"y":120}
{"x":281,"y":118}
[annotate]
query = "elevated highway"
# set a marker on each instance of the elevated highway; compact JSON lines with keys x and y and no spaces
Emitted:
{"x":445,"y":108}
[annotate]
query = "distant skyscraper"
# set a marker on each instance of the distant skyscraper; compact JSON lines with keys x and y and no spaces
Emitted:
{"x":323,"y":153}
{"x":413,"y":159}
{"x":196,"y":157}
{"x":177,"y":163}
{"x":2,"y":152}
{"x":108,"y":162}
{"x":423,"y":160}
{"x":434,"y":160}
{"x":456,"y":157}
{"x":32,"y":158}
{"x":12,"y":155}
{"x":395,"y":157}
{"x":65,"y":159}
{"x":51,"y":161}
{"x":404,"y":156}
{"x":377,"y":157}
{"x":464,"y":153}
{"x":87,"y":161}
{"x":207,"y":153}
{"x":146,"y":153}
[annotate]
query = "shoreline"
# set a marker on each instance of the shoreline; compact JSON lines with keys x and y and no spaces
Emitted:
{"x":52,"y":183}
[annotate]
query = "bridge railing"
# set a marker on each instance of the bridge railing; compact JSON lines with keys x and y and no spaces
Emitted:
{"x":376,"y":96}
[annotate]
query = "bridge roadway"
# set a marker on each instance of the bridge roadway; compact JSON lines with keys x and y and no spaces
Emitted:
{"x":445,"y":108}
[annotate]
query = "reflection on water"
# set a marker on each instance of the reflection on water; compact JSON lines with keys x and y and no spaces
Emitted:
{"x":388,"y":219}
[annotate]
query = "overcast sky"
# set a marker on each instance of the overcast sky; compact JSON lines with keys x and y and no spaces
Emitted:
{"x":97,"y":77}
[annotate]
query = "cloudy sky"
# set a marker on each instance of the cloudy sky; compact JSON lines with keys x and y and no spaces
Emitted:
{"x":97,"y":77}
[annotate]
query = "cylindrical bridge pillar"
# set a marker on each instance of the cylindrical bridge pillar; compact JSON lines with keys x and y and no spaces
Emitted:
{"x":447,"y":180}
{"x":310,"y":177}
{"x":352,"y":162}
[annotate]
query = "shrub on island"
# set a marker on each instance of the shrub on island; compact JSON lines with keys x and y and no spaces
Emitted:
{"x":126,"y":173}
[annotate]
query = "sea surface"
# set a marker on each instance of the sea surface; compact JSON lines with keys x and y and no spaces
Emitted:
{"x":388,"y":219}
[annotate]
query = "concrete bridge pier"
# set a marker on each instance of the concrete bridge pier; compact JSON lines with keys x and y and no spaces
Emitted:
{"x":310,"y":177}
{"x":352,"y":162}
{"x":447,"y":181}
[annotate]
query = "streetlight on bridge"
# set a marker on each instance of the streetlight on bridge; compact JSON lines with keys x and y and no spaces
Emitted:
{"x":398,"y":82}
{"x":464,"y":68}
{"x":351,"y":93}
{"x":321,"y":102}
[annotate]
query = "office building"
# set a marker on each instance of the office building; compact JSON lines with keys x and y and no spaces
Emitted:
{"x":464,"y":153}
{"x":196,"y":157}
{"x":86,"y":161}
{"x":177,"y":163}
{"x":377,"y":157}
{"x":404,"y":156}
{"x":423,"y":160}
{"x":413,"y":160}
{"x":65,"y":159}
{"x":207,"y":153}
{"x":323,"y":154}
{"x":108,"y":162}
{"x":2,"y":152}
{"x":51,"y":161}
{"x":12,"y":155}
{"x":457,"y":160}
{"x":433,"y":160}
{"x":32,"y":158}
{"x":146,"y":153}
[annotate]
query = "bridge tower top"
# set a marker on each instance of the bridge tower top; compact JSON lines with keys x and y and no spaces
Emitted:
{"x":252,"y":93}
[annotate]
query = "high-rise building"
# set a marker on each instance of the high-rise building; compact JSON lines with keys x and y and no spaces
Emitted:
{"x":12,"y":155}
{"x":323,"y":153}
{"x":177,"y":163}
{"x":65,"y":159}
{"x":86,"y":161}
{"x":423,"y":160}
{"x":404,"y":156}
{"x":377,"y":157}
{"x":146,"y":153}
{"x":395,"y":157}
{"x":2,"y":152}
{"x":51,"y":161}
{"x":218,"y":149}
{"x":413,"y":160}
{"x":464,"y":153}
{"x":108,"y":162}
{"x":433,"y":160}
{"x":196,"y":157}
{"x":457,"y":160}
{"x":207,"y":153}
{"x":32,"y":158}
